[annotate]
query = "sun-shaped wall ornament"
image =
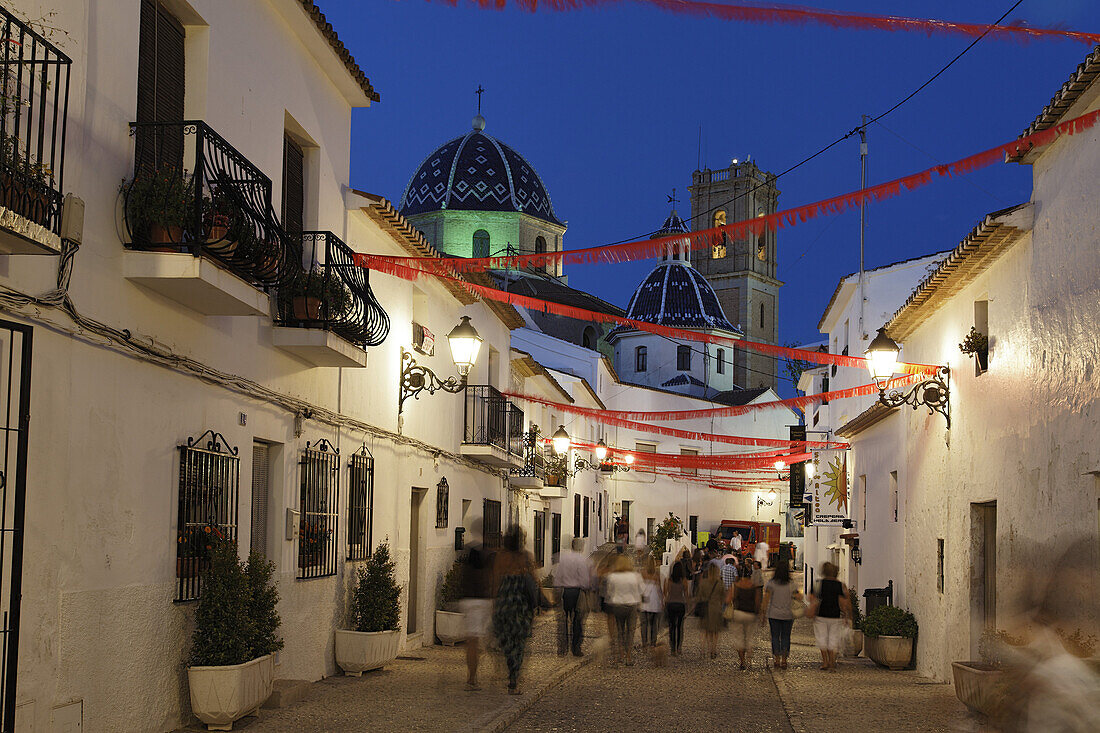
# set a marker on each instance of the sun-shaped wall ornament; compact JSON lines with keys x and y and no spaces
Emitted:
{"x":836,"y":483}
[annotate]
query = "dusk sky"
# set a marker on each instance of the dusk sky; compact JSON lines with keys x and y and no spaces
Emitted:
{"x":606,"y":103}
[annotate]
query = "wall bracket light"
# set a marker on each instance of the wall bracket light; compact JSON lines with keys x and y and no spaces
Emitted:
{"x":933,"y":393}
{"x":465,"y":344}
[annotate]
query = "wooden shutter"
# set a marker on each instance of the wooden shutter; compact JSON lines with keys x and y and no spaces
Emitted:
{"x":161,"y":83}
{"x":260,"y":493}
{"x":293,"y":186}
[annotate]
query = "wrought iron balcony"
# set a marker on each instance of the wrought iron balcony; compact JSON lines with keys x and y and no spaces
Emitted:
{"x":332,"y":293}
{"x":194,"y":192}
{"x":492,"y":422}
{"x":34,"y":106}
{"x":532,"y":474}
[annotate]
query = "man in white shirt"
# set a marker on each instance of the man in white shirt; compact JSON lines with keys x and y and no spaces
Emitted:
{"x":761,"y":554}
{"x":574,"y":575}
{"x":735,"y":543}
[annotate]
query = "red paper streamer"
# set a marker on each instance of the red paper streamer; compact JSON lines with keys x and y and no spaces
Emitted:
{"x":714,"y":461}
{"x":726,"y":411}
{"x":773,"y":13}
{"x":705,"y":238}
{"x":389,"y":267}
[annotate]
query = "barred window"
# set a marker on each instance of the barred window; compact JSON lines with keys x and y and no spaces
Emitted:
{"x":360,"y":504}
{"x":442,"y":503}
{"x":208,"y":490}
{"x":490,"y":524}
{"x":319,"y":506}
{"x":539,"y":537}
{"x":555,"y":533}
{"x":577,"y":515}
{"x":587,"y":511}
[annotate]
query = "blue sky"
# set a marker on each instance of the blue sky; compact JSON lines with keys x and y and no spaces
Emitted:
{"x":607,"y":102}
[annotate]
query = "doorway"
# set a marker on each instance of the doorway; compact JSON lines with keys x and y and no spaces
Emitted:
{"x":416,"y":500}
{"x":983,"y":571}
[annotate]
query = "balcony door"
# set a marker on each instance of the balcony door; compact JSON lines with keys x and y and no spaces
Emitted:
{"x":160,"y":88}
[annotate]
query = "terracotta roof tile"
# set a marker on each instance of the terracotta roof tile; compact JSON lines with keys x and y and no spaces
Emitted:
{"x":338,"y":46}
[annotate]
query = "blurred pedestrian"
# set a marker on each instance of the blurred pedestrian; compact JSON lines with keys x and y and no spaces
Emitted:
{"x":574,"y":578}
{"x":641,"y":547}
{"x":744,"y":596}
{"x":709,"y":597}
{"x":735,"y":543}
{"x":603,"y":569}
{"x":676,"y":600}
{"x":624,"y":596}
{"x":622,"y":530}
{"x":779,"y":592}
{"x":652,"y":602}
{"x":760,"y":554}
{"x":515,"y":602}
{"x":729,"y":571}
{"x":829,"y":606}
{"x":476,"y":605}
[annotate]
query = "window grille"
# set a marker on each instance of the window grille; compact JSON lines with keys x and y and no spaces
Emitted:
{"x":540,"y":539}
{"x":318,"y":524}
{"x":360,"y":504}
{"x":721,"y":361}
{"x":555,"y":533}
{"x":490,"y":524}
{"x":208,"y":490}
{"x":683,"y":358}
{"x":587,"y":511}
{"x":442,"y":503}
{"x":577,"y":515}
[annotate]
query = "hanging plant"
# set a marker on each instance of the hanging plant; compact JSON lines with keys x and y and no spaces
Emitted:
{"x":975,"y":343}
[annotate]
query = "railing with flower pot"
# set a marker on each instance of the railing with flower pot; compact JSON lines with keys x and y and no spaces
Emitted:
{"x":194,"y":192}
{"x":34,"y":106}
{"x":333,"y":293}
{"x":534,"y":458}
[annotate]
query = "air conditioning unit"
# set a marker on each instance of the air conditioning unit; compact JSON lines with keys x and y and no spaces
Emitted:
{"x":423,"y":340}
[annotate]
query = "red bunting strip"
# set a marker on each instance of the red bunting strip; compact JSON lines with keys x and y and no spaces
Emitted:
{"x":388,"y":267}
{"x":703,"y":239}
{"x":614,"y":452}
{"x":729,"y":410}
{"x":774,"y":13}
{"x":717,"y":462}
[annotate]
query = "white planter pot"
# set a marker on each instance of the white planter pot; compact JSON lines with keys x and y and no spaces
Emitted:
{"x":361,"y":651}
{"x":854,"y":643}
{"x":891,"y":651}
{"x":979,"y":686}
{"x":450,"y":628}
{"x":221,"y":695}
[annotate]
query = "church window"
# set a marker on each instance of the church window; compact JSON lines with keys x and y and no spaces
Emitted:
{"x":588,"y":338}
{"x":721,"y":359}
{"x":540,"y":248}
{"x":761,"y":315}
{"x":683,"y":358}
{"x":481,"y":243}
{"x":761,"y":249}
{"x":640,"y":359}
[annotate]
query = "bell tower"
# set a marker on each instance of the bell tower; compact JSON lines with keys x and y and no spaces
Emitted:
{"x":742,"y":270}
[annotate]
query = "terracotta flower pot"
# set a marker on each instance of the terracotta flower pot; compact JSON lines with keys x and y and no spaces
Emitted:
{"x":306,"y":308}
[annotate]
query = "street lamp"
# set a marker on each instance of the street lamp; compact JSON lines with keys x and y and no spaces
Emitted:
{"x":465,"y":345}
{"x":761,"y":501}
{"x":561,"y":441}
{"x":808,"y":468}
{"x":933,"y":393}
{"x":601,"y":451}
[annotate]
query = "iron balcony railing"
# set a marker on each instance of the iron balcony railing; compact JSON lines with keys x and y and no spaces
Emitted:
{"x":34,"y":110}
{"x":332,"y":293}
{"x":194,"y":192}
{"x":534,"y":458}
{"x":492,"y":420}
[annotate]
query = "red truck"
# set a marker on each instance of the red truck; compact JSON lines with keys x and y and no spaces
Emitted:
{"x":751,"y":532}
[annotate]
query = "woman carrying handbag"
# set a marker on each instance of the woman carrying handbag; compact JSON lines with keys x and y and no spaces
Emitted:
{"x":782,"y":605}
{"x":830,"y":609}
{"x":708,"y":599}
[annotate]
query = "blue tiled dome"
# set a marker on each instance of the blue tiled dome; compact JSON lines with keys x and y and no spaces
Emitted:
{"x":675,"y":294}
{"x":477,"y":172}
{"x":673,"y":225}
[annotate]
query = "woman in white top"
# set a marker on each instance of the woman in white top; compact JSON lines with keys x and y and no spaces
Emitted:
{"x":653,"y":602}
{"x":624,"y":595}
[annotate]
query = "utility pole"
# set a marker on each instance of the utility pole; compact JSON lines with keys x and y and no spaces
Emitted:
{"x":862,"y":220}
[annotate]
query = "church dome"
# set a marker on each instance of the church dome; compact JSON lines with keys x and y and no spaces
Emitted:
{"x":477,"y":172}
{"x":675,"y":294}
{"x":673,"y":225}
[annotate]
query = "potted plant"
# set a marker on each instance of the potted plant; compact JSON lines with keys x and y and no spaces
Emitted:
{"x":236,"y":635}
{"x":158,"y":205}
{"x":375,"y":618}
{"x":450,"y":623}
{"x":313,"y":537}
{"x":981,"y":685}
{"x":307,"y":292}
{"x":890,"y":632}
{"x":221,"y":222}
{"x":670,"y":528}
{"x":854,"y":644}
{"x":976,"y":344}
{"x":24,"y":182}
{"x":193,"y":546}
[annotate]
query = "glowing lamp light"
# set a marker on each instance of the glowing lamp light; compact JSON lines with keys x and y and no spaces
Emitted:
{"x":561,"y":441}
{"x":629,"y":459}
{"x":601,"y":451}
{"x":465,"y":344}
{"x":882,"y":358}
{"x":771,"y":495}
{"x":809,"y":469}
{"x":780,"y":465}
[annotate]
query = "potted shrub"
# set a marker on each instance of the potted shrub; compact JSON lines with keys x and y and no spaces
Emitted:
{"x":450,"y":623}
{"x":221,"y":222}
{"x":976,"y":344}
{"x":854,"y":644}
{"x":890,"y":632}
{"x":375,"y":618}
{"x":24,"y":182}
{"x":236,"y":635}
{"x":670,"y":528}
{"x":308,"y":290}
{"x":158,"y":205}
{"x":981,"y":685}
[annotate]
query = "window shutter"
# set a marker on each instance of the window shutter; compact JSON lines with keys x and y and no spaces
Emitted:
{"x":161,"y":83}
{"x":293,"y":187}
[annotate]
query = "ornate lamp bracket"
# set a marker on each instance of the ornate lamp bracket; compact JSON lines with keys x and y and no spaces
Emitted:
{"x":583,"y":464}
{"x":933,"y":393}
{"x":416,"y":379}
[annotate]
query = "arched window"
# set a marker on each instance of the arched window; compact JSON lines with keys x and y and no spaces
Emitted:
{"x":640,"y":359}
{"x":683,"y":358}
{"x":588,"y":338}
{"x":761,"y":315}
{"x":721,"y":358}
{"x":481,"y":243}
{"x":540,"y":248}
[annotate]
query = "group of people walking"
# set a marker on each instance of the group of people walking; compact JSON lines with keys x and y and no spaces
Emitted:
{"x":725,"y":592}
